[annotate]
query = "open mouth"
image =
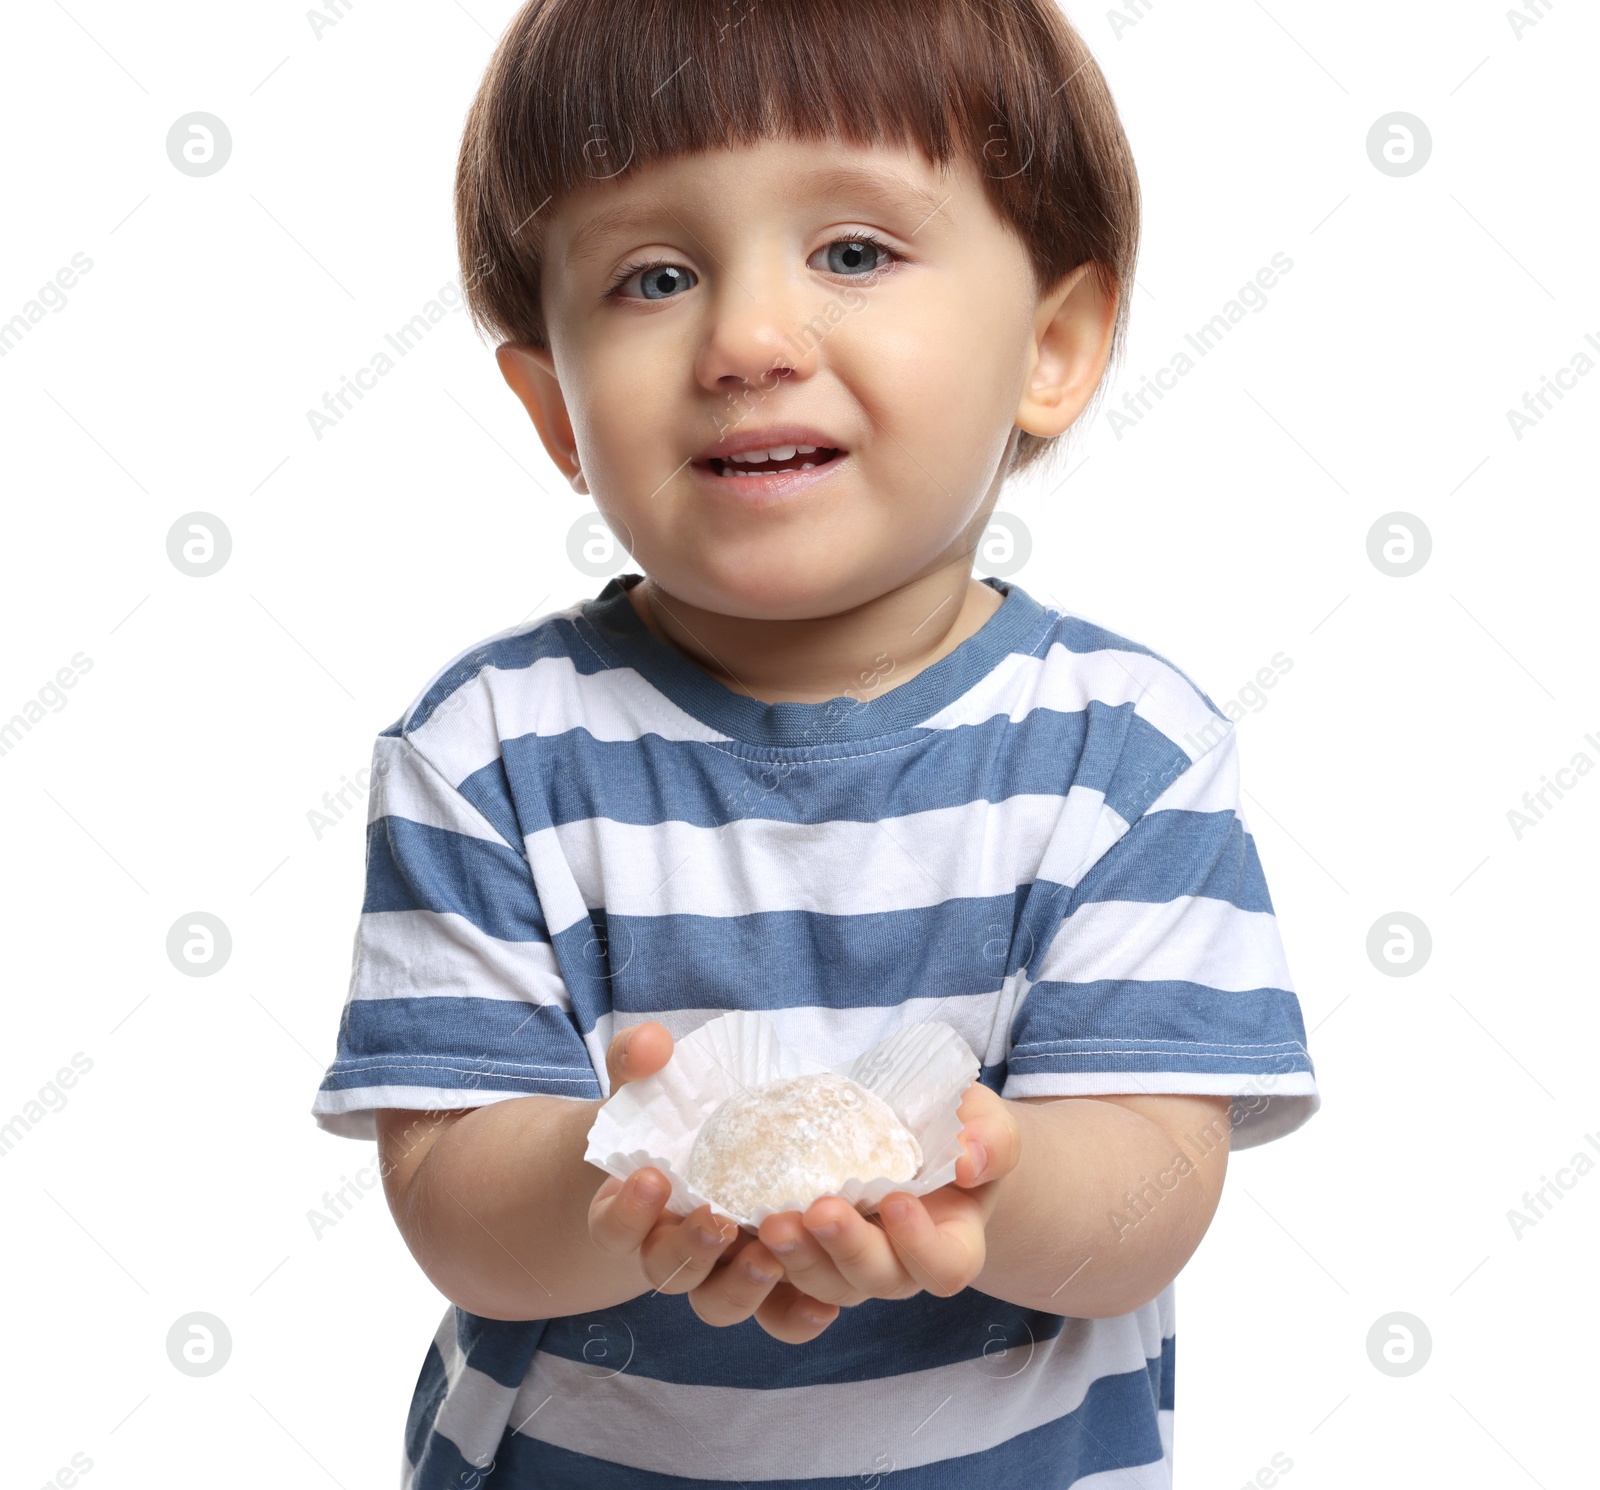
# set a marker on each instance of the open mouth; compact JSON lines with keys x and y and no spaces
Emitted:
{"x":769,"y":462}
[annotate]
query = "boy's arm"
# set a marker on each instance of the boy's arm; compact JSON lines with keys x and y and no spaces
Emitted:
{"x":494,"y":1201}
{"x":503,"y":1214}
{"x":1109,"y":1198}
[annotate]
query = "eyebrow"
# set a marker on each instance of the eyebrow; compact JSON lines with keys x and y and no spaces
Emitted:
{"x":884,"y":189}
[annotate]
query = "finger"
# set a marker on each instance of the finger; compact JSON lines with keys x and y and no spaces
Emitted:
{"x":991,"y":1137}
{"x":805,"y":1260}
{"x":638,"y":1051}
{"x":943,"y":1254}
{"x":679,"y":1253}
{"x":738,"y":1285}
{"x":623,"y":1212}
{"x":861,"y":1253}
{"x":789,"y":1315}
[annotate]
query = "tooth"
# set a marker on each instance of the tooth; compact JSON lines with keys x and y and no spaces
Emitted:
{"x":808,"y":465}
{"x":805,"y":449}
{"x":751,"y":455}
{"x":782,"y":452}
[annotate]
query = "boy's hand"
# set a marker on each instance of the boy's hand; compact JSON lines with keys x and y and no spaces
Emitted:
{"x":728,"y":1274}
{"x":938,"y":1243}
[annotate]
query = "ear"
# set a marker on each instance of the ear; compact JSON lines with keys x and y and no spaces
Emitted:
{"x":1072,"y":344}
{"x":530,"y":371}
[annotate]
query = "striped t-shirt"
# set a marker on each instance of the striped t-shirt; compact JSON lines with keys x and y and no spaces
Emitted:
{"x":1036,"y":840}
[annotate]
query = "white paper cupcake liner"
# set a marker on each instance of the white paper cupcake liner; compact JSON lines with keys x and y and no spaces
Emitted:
{"x":921,"y":1071}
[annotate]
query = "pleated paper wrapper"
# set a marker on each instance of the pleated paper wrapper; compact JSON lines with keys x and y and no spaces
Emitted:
{"x":921,"y":1071}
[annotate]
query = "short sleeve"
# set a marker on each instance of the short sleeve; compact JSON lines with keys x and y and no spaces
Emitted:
{"x":1166,"y":972}
{"x":456,"y":998}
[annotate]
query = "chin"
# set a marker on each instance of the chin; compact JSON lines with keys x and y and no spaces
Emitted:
{"x":770,"y":592}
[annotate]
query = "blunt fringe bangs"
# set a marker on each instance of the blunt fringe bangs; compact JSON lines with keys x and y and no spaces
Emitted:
{"x":580,"y":91}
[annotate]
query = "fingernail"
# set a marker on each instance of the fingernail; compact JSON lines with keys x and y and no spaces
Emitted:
{"x":980,"y":1159}
{"x":825,"y":1233}
{"x":783,"y":1248}
{"x":895,"y":1210}
{"x":651,"y":1190}
{"x":761,"y":1275}
{"x":708,"y":1237}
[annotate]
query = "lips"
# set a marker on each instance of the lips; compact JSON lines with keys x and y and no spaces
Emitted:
{"x":775,"y":448}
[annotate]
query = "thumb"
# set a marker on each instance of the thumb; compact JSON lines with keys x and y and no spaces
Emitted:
{"x":990,"y":1136}
{"x":637,"y":1052}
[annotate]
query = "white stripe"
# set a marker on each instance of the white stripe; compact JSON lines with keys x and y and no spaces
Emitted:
{"x":1193,"y":938}
{"x":517,"y":630}
{"x":473,"y":1412}
{"x":1067,"y":681}
{"x":835,"y":1037}
{"x":406,"y":784}
{"x":548,"y":697}
{"x":1210,"y":784}
{"x":349,"y":1113}
{"x":552,"y":697}
{"x":1086,"y":830}
{"x":1291,"y":1098}
{"x":839,"y":867}
{"x":426,"y":954}
{"x":721,"y":1434}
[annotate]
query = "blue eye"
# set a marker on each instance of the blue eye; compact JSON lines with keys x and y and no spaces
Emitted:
{"x":857,"y":256}
{"x":667,"y":279}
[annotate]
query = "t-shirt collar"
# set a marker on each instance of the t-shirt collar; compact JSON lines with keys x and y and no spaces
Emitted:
{"x":1014,"y":626}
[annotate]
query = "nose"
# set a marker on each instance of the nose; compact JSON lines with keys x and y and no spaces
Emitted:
{"x":756,"y":319}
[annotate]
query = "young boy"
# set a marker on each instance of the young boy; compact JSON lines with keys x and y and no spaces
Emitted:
{"x":790,"y":289}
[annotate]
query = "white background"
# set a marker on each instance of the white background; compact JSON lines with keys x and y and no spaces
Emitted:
{"x":1226,"y":527}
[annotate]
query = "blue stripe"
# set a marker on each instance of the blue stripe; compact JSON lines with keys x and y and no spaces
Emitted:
{"x":502,"y":1349}
{"x":1115,"y":1427}
{"x":788,"y":959}
{"x":1125,"y":1025}
{"x":1078,"y":635}
{"x":556,"y":636}
{"x":1172,"y":853}
{"x":491,"y":792}
{"x":612,"y":625}
{"x":413,"y":866}
{"x":651,"y":964}
{"x":427,"y":1397}
{"x":661,"y":1338}
{"x":572,"y":776}
{"x":461,"y":1044}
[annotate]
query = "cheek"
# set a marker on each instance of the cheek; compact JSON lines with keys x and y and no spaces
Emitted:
{"x":628,"y":422}
{"x":927,"y":387}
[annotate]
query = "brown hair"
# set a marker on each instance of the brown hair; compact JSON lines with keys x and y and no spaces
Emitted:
{"x":584,"y":90}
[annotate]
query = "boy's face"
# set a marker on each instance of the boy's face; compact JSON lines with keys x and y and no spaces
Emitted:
{"x":917,"y":361}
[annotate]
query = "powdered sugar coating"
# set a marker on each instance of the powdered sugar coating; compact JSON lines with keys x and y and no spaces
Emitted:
{"x":798,"y":1138}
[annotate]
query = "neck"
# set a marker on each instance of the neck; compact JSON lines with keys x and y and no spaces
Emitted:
{"x":858,"y":653}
